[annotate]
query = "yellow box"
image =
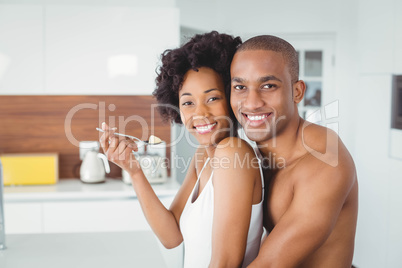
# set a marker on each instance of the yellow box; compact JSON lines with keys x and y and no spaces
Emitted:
{"x":30,"y":169}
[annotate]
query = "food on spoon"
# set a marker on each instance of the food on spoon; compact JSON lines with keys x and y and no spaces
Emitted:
{"x":154,"y":140}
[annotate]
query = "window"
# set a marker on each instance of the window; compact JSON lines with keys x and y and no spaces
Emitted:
{"x":316,"y":61}
{"x":311,"y":72}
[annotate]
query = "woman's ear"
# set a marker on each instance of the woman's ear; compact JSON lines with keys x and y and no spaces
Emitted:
{"x":299,"y":88}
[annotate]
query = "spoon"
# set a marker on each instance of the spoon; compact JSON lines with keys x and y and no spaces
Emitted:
{"x":153,"y":140}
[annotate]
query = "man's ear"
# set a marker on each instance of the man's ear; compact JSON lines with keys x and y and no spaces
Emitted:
{"x":299,"y":88}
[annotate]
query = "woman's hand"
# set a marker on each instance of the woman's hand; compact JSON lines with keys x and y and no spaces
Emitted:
{"x":164,"y":222}
{"x":119,"y":150}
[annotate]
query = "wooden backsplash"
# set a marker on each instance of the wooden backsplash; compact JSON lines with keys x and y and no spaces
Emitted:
{"x":32,"y":124}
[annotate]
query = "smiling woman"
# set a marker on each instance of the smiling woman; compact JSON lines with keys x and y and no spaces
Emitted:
{"x":203,"y":106}
{"x":218,"y":210}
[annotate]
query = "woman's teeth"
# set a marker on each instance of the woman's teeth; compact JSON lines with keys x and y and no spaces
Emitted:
{"x":205,"y":128}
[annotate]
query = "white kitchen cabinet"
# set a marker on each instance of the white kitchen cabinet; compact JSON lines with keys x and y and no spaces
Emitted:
{"x":21,"y":49}
{"x":94,"y":216}
{"x":106,"y":50}
{"x":23,"y":218}
{"x":71,"y":206}
{"x":104,"y":216}
{"x":83,"y":49}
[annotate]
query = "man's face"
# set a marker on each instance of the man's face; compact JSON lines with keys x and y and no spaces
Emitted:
{"x":261,"y":93}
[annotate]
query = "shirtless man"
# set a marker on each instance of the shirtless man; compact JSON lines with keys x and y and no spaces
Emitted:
{"x":311,"y":198}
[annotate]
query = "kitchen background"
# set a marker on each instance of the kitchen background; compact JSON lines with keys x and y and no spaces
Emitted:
{"x":94,"y":51}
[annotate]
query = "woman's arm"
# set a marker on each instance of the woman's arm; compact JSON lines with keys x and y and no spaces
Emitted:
{"x":163,"y":222}
{"x":236,"y":172}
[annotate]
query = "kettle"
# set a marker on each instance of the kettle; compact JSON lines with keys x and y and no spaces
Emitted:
{"x":93,"y":167}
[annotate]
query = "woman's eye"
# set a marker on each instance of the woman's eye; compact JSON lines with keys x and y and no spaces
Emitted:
{"x":212,"y":99}
{"x":187,"y":103}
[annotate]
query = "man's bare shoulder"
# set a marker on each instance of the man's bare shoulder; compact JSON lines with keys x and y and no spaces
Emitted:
{"x":324,"y":145}
{"x":326,"y":159}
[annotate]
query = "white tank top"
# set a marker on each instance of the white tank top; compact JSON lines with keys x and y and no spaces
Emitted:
{"x":196,"y":226}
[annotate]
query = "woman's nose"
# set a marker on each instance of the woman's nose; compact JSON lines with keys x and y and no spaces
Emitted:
{"x":201,"y":111}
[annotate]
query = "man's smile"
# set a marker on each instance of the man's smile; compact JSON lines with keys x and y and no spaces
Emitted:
{"x":255,"y":120}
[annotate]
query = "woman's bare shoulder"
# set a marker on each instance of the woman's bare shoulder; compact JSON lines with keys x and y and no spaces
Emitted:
{"x":236,"y":154}
{"x":233,"y":145}
{"x":235,"y":159}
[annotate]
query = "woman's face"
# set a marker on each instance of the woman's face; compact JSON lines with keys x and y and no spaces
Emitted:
{"x":203,"y":106}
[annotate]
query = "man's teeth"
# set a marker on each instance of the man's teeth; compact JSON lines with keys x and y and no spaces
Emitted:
{"x":257,"y":117}
{"x":205,"y":127}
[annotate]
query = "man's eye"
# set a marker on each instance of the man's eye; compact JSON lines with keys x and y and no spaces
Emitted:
{"x":268,"y":86}
{"x":239,"y":87}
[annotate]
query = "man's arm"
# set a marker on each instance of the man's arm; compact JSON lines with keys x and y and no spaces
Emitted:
{"x":318,"y":199}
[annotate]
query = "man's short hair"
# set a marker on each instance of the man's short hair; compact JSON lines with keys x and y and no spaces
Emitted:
{"x":273,"y":43}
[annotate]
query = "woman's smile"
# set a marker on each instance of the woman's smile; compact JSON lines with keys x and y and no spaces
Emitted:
{"x":206,"y":128}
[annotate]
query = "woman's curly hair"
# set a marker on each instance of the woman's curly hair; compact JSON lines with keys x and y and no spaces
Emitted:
{"x":213,"y":50}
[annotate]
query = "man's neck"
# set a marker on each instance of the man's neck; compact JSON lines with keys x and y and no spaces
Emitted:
{"x":285,"y":148}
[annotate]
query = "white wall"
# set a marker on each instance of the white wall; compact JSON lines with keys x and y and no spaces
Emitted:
{"x":368,"y":36}
{"x":379,"y":234}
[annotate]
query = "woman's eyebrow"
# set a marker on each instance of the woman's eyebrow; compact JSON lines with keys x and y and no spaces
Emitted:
{"x":206,"y":91}
{"x":209,"y":90}
{"x":185,"y":94}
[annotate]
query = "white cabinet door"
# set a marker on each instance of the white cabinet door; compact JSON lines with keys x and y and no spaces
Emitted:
{"x":106,"y":50}
{"x":23,"y":218}
{"x":84,"y":216}
{"x":21,"y":49}
{"x":93,"y":216}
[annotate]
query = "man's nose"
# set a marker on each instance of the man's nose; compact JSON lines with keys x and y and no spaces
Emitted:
{"x":253,"y":101}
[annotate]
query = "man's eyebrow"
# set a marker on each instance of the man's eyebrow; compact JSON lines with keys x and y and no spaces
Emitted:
{"x":268,"y":78}
{"x":260,"y":80}
{"x":238,"y":80}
